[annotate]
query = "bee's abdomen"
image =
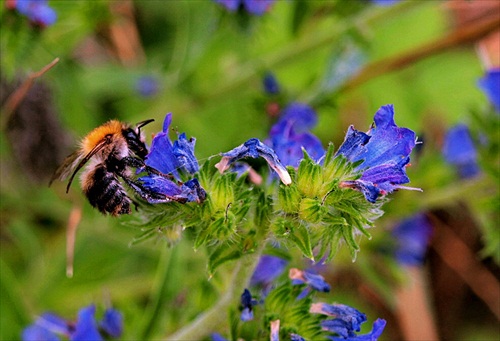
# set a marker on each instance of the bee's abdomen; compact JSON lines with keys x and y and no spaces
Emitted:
{"x":105,"y":192}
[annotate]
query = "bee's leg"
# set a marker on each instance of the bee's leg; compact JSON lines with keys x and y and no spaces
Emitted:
{"x":138,"y":163}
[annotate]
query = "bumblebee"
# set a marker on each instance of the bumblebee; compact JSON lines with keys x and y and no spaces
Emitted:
{"x":111,"y":150}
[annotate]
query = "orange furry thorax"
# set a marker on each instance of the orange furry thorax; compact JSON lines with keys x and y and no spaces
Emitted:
{"x":98,"y":134}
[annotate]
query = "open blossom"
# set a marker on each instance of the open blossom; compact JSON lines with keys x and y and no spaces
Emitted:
{"x":257,"y":7}
{"x":345,"y":322}
{"x":384,"y":152}
{"x":459,"y":151}
{"x":173,"y":159}
{"x":51,"y":327}
{"x":290,"y":135}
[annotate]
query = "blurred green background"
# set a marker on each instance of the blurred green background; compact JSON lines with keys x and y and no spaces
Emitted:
{"x":345,"y":58}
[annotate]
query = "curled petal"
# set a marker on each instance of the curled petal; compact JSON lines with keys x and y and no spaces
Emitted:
{"x":254,"y":148}
{"x":315,"y":281}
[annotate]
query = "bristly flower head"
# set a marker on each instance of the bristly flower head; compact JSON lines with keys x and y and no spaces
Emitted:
{"x":459,"y":151}
{"x":490,"y":84}
{"x":290,"y":135}
{"x":384,"y":152}
{"x":49,"y":326}
{"x":257,"y":7}
{"x":37,"y":11}
{"x":412,"y":237}
{"x":177,"y":160}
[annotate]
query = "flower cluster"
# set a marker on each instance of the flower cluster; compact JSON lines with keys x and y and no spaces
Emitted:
{"x":344,"y":322}
{"x":173,"y":160}
{"x":298,"y":318}
{"x":50,"y":326}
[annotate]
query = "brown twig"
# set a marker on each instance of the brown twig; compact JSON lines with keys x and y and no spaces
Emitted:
{"x":464,"y":35}
{"x":458,"y":256}
{"x":74,"y":219}
{"x":18,"y":95}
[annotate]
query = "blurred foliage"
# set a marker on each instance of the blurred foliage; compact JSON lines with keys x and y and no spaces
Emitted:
{"x":209,"y":64}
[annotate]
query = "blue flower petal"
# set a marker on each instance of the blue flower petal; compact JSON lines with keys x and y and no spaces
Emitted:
{"x":459,"y":150}
{"x":217,"y":337}
{"x":184,"y":152}
{"x":268,"y":268}
{"x":86,"y":326}
{"x":257,"y":7}
{"x":490,"y":84}
{"x":112,"y":322}
{"x":231,"y":5}
{"x":38,"y":333}
{"x":412,"y":235}
{"x":352,"y":317}
{"x":296,"y":337}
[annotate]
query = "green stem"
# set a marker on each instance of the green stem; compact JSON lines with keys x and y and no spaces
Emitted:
{"x":217,"y":315}
{"x":162,"y":292}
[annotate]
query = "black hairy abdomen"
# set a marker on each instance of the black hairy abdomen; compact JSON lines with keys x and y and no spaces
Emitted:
{"x":105,"y":192}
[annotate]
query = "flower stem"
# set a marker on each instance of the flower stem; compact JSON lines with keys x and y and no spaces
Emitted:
{"x":217,"y":315}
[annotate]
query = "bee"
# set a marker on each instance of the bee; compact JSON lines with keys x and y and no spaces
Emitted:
{"x":110,"y":150}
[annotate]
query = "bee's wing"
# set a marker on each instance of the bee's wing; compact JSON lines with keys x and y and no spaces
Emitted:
{"x":75,"y":161}
{"x":69,"y":164}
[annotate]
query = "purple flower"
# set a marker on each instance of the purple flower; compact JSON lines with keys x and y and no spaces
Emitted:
{"x":172,"y":159}
{"x":384,"y":151}
{"x":247,"y":303}
{"x":268,"y":268}
{"x":257,"y":7}
{"x":49,"y":327}
{"x":313,"y":281}
{"x":290,"y":135}
{"x":459,"y":151}
{"x":412,"y":236}
{"x":37,"y":11}
{"x":254,"y":148}
{"x":490,"y":84}
{"x":147,"y":86}
{"x":346,"y":322}
{"x":270,"y":83}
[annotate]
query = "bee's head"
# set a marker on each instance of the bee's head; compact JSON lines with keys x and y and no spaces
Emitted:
{"x":135,"y":140}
